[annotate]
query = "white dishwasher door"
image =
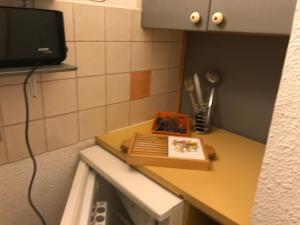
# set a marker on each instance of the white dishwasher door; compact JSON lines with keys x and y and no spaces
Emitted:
{"x":81,"y":197}
{"x":99,"y":172}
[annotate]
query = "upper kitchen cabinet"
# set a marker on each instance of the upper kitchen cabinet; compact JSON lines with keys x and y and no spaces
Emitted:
{"x":252,"y":16}
{"x":176,"y":14}
{"x":243,"y":16}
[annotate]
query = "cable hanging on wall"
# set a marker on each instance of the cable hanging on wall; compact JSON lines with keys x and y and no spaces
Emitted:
{"x":29,"y":75}
{"x":29,"y":193}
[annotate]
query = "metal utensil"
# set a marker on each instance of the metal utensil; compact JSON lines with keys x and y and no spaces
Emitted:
{"x":198,"y":89}
{"x":189,"y":87}
{"x":213,"y":79}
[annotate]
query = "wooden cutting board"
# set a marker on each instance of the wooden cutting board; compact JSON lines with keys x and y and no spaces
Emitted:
{"x":152,"y":150}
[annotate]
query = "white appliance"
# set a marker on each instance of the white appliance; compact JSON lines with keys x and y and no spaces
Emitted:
{"x":130,"y":197}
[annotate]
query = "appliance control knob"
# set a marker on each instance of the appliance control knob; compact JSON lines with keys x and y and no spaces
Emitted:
{"x":195,"y":17}
{"x":217,"y":18}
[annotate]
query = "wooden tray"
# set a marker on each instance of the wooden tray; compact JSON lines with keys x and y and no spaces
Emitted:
{"x":152,"y":150}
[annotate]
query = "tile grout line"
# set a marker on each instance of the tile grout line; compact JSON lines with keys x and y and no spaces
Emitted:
{"x":76,"y":72}
{"x":3,"y":139}
{"x":81,"y":77}
{"x":130,"y":73}
{"x":44,"y":116}
{"x":90,"y":40}
{"x":86,"y":109}
{"x":105,"y":69}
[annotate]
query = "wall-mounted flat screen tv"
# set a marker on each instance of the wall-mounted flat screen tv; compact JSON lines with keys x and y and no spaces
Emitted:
{"x":31,"y":36}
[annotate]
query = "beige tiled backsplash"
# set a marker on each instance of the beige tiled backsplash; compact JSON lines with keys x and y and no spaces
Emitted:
{"x":61,"y":131}
{"x":13,"y":106}
{"x":90,"y":58}
{"x":115,"y":58}
{"x":91,"y":122}
{"x":15,"y":140}
{"x":89,"y":22}
{"x":91,"y":92}
{"x":118,"y":88}
{"x":118,"y":24}
{"x":140,"y":84}
{"x":3,"y":156}
{"x":141,"y":56}
{"x":114,"y":118}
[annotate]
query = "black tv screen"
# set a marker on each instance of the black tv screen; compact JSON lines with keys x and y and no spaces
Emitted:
{"x":31,"y":36}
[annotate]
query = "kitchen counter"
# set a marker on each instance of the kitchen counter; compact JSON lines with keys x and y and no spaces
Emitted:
{"x":225,"y":193}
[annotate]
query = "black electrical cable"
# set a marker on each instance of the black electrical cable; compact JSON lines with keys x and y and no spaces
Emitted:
{"x":29,"y":147}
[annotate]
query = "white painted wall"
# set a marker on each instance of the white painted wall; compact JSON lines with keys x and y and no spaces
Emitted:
{"x":278,"y":196}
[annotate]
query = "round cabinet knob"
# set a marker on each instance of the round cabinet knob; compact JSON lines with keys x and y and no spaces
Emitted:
{"x":195,"y":17}
{"x":217,"y":18}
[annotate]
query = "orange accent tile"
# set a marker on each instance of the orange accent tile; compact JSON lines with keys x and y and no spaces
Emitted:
{"x":140,"y":84}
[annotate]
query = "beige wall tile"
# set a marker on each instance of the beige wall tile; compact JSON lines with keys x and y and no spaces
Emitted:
{"x":67,"y":9}
{"x":3,"y":155}
{"x":58,"y":76}
{"x":140,"y":84}
{"x":13,"y":104}
{"x":159,"y":81}
{"x":177,"y":35}
{"x":137,"y":32}
{"x":160,"y":55}
{"x":172,"y":102}
{"x":90,"y":58}
{"x":70,"y":53}
{"x":173,"y":80}
{"x":92,"y":122}
{"x":161,"y":35}
{"x":118,"y":24}
{"x":117,"y":116}
{"x":141,"y":56}
{"x":138,"y":4}
{"x":89,"y":22}
{"x":10,"y":3}
{"x":1,"y":121}
{"x":15,"y":140}
{"x":91,"y":92}
{"x":59,"y":97}
{"x":69,"y":60}
{"x":175,"y":54}
{"x":62,"y":131}
{"x":157,"y":103}
{"x":139,"y":110}
{"x":16,"y":79}
{"x":118,"y":88}
{"x":117,"y":57}
{"x":11,"y":80}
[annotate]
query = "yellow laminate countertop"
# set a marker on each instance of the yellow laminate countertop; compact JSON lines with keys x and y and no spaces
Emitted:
{"x":226,"y":193}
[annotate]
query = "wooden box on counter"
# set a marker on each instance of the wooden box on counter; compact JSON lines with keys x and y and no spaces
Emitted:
{"x":181,"y":119}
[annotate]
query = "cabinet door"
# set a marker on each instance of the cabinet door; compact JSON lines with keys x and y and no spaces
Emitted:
{"x":253,"y":16}
{"x":175,"y":14}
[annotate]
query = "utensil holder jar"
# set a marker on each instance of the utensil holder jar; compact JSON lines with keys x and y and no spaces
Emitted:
{"x":202,"y":123}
